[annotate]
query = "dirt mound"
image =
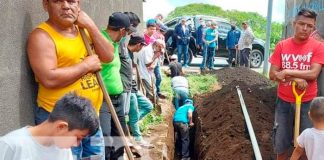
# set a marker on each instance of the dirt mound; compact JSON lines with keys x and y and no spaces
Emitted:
{"x":228,"y":75}
{"x":220,"y":131}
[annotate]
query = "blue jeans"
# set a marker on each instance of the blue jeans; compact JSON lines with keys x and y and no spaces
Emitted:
{"x":204,"y":54}
{"x":41,"y":115}
{"x":210,"y":57}
{"x":114,"y":147}
{"x":89,"y":146}
{"x":140,"y":106}
{"x":183,"y":50}
{"x":180,"y":95}
{"x":158,"y":78}
{"x":93,"y":145}
{"x":284,"y":124}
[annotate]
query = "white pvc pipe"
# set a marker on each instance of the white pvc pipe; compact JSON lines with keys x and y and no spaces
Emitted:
{"x":254,"y":141}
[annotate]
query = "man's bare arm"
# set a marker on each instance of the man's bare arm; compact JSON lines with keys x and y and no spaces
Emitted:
{"x":103,"y":48}
{"x":42,"y":57}
{"x":298,"y":152}
{"x":274,"y":70}
{"x":155,"y":56}
{"x":190,"y":119}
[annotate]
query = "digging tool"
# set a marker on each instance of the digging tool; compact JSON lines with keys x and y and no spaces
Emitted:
{"x":167,"y":57}
{"x":107,"y":98}
{"x":297,"y":112}
{"x":153,"y":92}
{"x":133,"y":148}
{"x":139,"y":81}
{"x":156,"y":105}
{"x":236,"y":57}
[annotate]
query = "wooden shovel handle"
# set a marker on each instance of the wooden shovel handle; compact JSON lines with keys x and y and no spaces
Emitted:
{"x":297,"y":112}
{"x":107,"y":98}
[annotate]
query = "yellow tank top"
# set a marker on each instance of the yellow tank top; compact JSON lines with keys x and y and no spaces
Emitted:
{"x":69,"y":51}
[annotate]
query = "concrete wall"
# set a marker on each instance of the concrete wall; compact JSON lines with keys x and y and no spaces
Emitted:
{"x":292,"y":8}
{"x":17,"y":85}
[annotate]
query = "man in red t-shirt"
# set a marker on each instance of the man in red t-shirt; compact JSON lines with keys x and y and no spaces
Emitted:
{"x":298,"y":59}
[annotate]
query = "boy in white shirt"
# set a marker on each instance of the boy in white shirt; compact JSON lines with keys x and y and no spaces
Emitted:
{"x":311,"y":140}
{"x":72,"y":119}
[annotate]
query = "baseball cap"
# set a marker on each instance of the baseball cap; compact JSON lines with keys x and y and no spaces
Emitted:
{"x":137,"y":38}
{"x":189,"y":101}
{"x":120,"y":20}
{"x":151,"y":22}
{"x":174,"y":56}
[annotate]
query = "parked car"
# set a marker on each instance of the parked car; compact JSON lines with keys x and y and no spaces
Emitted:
{"x":257,"y":53}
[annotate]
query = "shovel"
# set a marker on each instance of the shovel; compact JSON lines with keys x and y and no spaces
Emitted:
{"x":236,"y":57}
{"x":107,"y":98}
{"x":297,"y":112}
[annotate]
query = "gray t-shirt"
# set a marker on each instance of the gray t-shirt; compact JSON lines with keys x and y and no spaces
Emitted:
{"x":179,"y":81}
{"x":312,"y":140}
{"x":126,"y":66}
{"x":20,"y":145}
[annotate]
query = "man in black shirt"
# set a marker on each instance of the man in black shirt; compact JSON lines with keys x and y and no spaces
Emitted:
{"x":175,"y":66}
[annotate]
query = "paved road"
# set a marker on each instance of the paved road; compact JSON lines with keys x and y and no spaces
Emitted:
{"x":220,"y":62}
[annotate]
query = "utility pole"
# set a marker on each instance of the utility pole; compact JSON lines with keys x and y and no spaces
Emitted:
{"x":267,"y":45}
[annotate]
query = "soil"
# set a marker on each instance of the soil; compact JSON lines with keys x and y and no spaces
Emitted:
{"x":220,"y":130}
{"x":161,"y":136}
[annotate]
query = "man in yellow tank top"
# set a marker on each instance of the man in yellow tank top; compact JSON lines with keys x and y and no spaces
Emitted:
{"x":60,"y":63}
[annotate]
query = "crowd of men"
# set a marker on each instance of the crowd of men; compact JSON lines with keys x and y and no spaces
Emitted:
{"x":72,"y":113}
{"x":70,"y":101}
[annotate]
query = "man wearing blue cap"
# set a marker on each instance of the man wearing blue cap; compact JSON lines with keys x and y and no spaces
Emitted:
{"x":182,"y":120}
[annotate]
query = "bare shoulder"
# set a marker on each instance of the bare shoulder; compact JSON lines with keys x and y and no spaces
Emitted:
{"x":41,"y":51}
{"x":39,"y":40}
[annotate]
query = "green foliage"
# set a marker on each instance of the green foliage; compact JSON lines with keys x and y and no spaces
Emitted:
{"x":200,"y":84}
{"x":150,"y":119}
{"x":154,"y":118}
{"x":256,"y":21}
{"x":166,"y":86}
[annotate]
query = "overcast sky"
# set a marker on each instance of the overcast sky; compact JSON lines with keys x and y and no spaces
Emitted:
{"x":153,"y":7}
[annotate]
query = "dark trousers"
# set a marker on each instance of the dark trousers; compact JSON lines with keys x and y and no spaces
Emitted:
{"x":231,"y":55}
{"x":244,"y":57}
{"x":182,"y":138}
{"x":114,"y":147}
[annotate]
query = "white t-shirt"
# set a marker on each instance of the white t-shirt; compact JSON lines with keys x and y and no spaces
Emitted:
{"x":145,"y":56}
{"x":179,"y":81}
{"x":246,"y":39}
{"x":312,"y":140}
{"x":20,"y":145}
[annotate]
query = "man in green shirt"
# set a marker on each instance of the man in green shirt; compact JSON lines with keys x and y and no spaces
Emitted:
{"x":118,"y":26}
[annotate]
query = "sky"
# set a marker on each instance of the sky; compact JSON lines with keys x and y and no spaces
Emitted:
{"x":153,"y":7}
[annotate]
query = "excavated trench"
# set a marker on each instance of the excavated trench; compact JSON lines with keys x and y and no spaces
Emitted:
{"x":220,"y":131}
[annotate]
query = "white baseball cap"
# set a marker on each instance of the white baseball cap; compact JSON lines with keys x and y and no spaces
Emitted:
{"x":174,"y":56}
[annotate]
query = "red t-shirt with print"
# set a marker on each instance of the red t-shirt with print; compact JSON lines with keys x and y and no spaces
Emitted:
{"x":290,"y":55}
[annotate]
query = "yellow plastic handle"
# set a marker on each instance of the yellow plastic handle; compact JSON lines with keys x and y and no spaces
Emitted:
{"x":297,"y":96}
